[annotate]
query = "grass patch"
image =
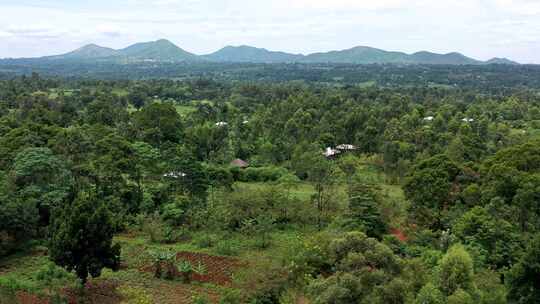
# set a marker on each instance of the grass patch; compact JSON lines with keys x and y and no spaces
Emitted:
{"x":120,"y":92}
{"x":304,"y":191}
{"x":184,"y":110}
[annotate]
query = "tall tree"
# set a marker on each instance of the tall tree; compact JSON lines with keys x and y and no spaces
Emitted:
{"x":364,"y":208}
{"x":158,"y":123}
{"x":429,"y":189}
{"x":456,"y":271}
{"x":524,"y":277}
{"x":81,"y":236}
{"x":40,"y":177}
{"x":323,"y":175}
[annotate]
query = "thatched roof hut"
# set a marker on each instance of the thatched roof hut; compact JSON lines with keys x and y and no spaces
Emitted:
{"x":239,"y":163}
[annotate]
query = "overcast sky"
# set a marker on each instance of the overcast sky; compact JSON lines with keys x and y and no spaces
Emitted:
{"x":478,"y":28}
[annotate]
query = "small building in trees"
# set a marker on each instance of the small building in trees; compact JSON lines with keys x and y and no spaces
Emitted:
{"x":174,"y":174}
{"x":346,"y":147}
{"x":238,"y":163}
{"x":331,"y":153}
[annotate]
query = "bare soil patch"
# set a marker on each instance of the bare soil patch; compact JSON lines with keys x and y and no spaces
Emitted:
{"x":219,"y":269}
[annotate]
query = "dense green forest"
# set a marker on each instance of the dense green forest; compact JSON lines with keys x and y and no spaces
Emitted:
{"x":482,"y":78}
{"x":387,"y":185}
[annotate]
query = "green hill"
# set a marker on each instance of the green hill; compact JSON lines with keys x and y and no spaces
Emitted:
{"x":358,"y":55}
{"x":501,"y":61}
{"x":90,"y":51}
{"x":165,"y":51}
{"x":246,"y":53}
{"x":433,"y":58}
{"x":160,"y":50}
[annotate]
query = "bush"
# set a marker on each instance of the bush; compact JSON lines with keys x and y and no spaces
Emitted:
{"x":153,"y":227}
{"x":221,"y":177}
{"x":264,"y":282}
{"x":172,"y":235}
{"x":185,"y":269}
{"x":206,"y":241}
{"x":227,"y":247}
{"x":159,"y":232}
{"x":200,"y":299}
{"x":460,"y":297}
{"x":7,"y":243}
{"x":54,"y":279}
{"x":231,"y":297}
{"x":260,"y":174}
{"x":133,"y":295}
{"x":164,"y":264}
{"x":9,"y":286}
{"x":397,"y":246}
{"x":173,"y":213}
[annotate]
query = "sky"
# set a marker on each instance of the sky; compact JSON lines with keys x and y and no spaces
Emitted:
{"x":481,"y":29}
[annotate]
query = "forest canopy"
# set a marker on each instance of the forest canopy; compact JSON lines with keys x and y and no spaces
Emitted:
{"x":401,"y":191}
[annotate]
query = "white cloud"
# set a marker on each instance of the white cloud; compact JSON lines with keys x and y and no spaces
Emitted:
{"x":523,"y":7}
{"x":35,"y":31}
{"x":479,"y":28}
{"x":347,"y":4}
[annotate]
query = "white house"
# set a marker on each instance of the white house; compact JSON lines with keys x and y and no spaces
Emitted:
{"x":346,"y":147}
{"x":174,"y":174}
{"x":330,"y":152}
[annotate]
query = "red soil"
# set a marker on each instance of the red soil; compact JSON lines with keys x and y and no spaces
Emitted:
{"x":399,"y":234}
{"x":26,"y":298}
{"x":98,"y":292}
{"x":218,"y":269}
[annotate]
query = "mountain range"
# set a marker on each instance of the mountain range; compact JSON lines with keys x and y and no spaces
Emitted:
{"x":165,"y":51}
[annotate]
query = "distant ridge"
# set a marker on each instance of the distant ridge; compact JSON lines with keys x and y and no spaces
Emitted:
{"x":88,"y":52}
{"x":245,"y":53}
{"x":501,"y":61}
{"x":450,"y":58}
{"x":160,"y":50}
{"x":358,"y":55}
{"x":165,"y":51}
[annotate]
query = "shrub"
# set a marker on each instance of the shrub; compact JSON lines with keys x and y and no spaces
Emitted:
{"x":231,"y":297}
{"x":221,"y":177}
{"x":163,"y":261}
{"x":185,"y":269}
{"x":264,"y":282}
{"x":9,"y":286}
{"x":173,"y":213}
{"x":200,"y":299}
{"x":429,"y":294}
{"x":134,"y":295}
{"x":153,"y":226}
{"x":227,"y":247}
{"x":172,"y":235}
{"x":55,"y":278}
{"x":159,"y":232}
{"x":261,"y":174}
{"x":456,"y":271}
{"x":206,"y":241}
{"x":460,"y":297}
{"x":7,"y":243}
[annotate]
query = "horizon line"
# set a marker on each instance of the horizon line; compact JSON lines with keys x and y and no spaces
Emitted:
{"x":261,"y":48}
